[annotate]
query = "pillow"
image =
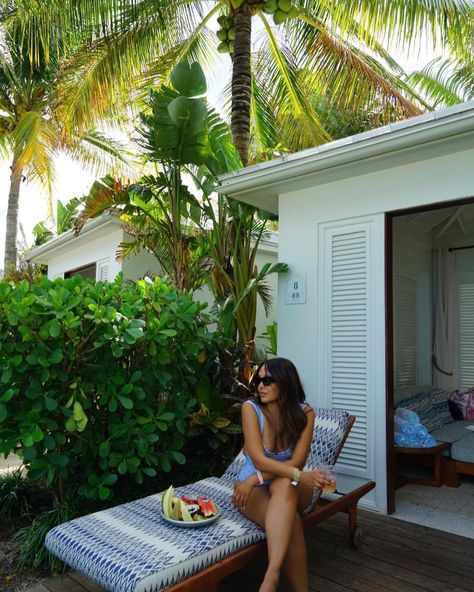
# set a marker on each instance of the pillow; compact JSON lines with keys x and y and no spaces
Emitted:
{"x":465,"y":401}
{"x":423,"y":407}
{"x":400,"y":394}
{"x":438,"y":396}
{"x":455,"y":410}
{"x":439,"y":399}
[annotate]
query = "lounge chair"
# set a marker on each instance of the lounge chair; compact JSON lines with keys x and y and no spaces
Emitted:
{"x":131,"y":548}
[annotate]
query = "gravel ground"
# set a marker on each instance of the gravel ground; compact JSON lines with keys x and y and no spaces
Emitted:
{"x":11,"y":579}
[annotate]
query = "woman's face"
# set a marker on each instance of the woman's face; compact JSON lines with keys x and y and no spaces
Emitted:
{"x":268,"y":390}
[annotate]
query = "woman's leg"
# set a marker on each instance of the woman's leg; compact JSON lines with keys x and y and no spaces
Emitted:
{"x":274,"y":508}
{"x":279,"y":524}
{"x":295,"y":565}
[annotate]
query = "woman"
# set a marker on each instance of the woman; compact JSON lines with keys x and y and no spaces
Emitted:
{"x":272,"y":488}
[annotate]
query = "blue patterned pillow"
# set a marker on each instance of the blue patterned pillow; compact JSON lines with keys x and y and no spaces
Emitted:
{"x":422,"y":406}
{"x":439,"y":399}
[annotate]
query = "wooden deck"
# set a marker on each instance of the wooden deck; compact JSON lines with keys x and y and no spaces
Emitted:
{"x":394,"y":556}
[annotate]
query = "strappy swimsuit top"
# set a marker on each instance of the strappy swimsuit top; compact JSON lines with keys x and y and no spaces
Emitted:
{"x":248,"y":467}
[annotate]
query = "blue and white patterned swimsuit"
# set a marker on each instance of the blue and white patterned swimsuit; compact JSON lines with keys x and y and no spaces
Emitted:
{"x":248,"y":468}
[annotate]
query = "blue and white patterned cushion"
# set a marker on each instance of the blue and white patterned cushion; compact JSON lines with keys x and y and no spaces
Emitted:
{"x":130,"y":548}
{"x":439,"y":399}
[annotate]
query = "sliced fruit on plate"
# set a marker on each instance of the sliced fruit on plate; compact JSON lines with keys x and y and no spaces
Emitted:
{"x":167,"y":501}
{"x":186,"y":516}
{"x":207,"y":507}
{"x":175,"y":512}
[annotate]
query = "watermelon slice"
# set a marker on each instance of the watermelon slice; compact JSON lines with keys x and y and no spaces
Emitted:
{"x":197,"y":507}
{"x":207,"y":507}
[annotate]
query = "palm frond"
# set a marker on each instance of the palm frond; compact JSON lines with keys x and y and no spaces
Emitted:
{"x":101,"y":154}
{"x":346,"y":71}
{"x":35,"y":140}
{"x":398,"y":21}
{"x":445,"y":82}
{"x":285,"y":76}
{"x":265,"y":294}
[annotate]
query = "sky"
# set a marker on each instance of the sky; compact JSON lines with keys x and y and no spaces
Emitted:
{"x":72,"y":181}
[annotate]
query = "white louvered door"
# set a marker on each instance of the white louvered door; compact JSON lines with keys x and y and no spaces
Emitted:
{"x":349,"y":338}
{"x":466,"y":335}
{"x":352,"y":338}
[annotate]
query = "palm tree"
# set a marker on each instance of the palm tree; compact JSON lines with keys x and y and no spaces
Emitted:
{"x":446,"y":81}
{"x":335,"y":47}
{"x":32,"y":129}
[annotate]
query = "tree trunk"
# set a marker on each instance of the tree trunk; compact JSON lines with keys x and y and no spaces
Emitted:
{"x":12,"y":218}
{"x":241,"y":81}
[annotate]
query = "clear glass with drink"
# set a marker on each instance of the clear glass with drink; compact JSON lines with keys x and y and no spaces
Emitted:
{"x":330,"y":471}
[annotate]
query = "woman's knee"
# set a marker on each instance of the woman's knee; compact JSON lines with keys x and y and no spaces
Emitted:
{"x":282,"y":487}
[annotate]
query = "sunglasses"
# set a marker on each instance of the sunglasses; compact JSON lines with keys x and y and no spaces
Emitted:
{"x":265,"y":380}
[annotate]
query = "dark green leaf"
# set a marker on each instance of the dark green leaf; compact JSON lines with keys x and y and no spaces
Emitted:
{"x":188,"y":79}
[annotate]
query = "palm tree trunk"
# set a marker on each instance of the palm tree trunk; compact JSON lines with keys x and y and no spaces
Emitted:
{"x":12,"y":217}
{"x":241,"y":81}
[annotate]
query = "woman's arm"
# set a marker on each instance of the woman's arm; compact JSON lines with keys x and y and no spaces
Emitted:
{"x":274,"y":468}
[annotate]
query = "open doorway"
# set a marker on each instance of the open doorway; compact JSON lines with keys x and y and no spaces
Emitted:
{"x":431,"y":361}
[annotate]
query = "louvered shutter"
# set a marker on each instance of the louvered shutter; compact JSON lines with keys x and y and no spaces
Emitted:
{"x":405,"y":330}
{"x":352,"y":336}
{"x":103,"y":270}
{"x":466,"y":335}
{"x":349,"y":338}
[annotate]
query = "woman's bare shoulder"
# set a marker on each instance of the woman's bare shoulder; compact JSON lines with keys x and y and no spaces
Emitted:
{"x":308,"y":409}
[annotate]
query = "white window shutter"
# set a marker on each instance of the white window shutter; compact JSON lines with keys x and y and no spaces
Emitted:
{"x":405,"y":330}
{"x":103,"y":270}
{"x":349,"y":338}
{"x":466,"y":335}
{"x":351,"y":330}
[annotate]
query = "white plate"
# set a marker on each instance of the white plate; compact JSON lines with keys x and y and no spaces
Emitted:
{"x":193,"y":524}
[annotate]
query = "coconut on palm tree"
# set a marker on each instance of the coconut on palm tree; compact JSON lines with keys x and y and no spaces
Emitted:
{"x":32,"y":128}
{"x":303,"y":46}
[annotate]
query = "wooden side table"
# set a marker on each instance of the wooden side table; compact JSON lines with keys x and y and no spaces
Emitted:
{"x":421,"y":454}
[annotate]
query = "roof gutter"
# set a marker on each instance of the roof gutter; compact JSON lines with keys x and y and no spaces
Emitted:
{"x":102,"y":221}
{"x":409,"y":133}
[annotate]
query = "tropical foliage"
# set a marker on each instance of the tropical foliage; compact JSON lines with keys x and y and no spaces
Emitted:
{"x":446,"y":81}
{"x":32,"y":124}
{"x":67,"y":216}
{"x":98,"y":380}
{"x":194,"y":238}
{"x":335,"y":49}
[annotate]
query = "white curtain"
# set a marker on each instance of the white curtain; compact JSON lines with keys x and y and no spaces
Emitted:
{"x":443,"y":343}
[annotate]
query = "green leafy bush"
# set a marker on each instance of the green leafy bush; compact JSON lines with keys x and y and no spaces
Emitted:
{"x":16,"y":495}
{"x":97,"y":380}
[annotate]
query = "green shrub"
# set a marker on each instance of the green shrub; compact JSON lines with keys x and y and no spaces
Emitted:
{"x":16,"y":495}
{"x":97,"y":380}
{"x":30,"y":538}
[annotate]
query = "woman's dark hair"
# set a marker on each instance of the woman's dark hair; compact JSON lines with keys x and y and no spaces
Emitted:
{"x":291,"y":394}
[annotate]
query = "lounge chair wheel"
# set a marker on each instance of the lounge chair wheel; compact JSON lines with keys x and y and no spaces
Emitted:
{"x":356,"y":537}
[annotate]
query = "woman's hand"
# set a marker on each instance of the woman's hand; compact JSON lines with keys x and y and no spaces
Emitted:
{"x":242,"y":490}
{"x":316,"y":480}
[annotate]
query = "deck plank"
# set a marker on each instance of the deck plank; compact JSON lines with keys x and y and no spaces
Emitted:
{"x":395,"y":556}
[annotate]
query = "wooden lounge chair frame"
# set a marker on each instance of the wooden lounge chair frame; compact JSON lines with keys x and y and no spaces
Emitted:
{"x":208,"y":579}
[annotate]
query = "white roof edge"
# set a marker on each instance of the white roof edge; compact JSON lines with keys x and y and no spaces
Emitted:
{"x":403,"y":134}
{"x":58,"y":242}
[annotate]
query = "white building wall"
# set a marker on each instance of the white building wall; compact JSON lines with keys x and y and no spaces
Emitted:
{"x":346,"y":196}
{"x":87,"y":252}
{"x":139,"y":265}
